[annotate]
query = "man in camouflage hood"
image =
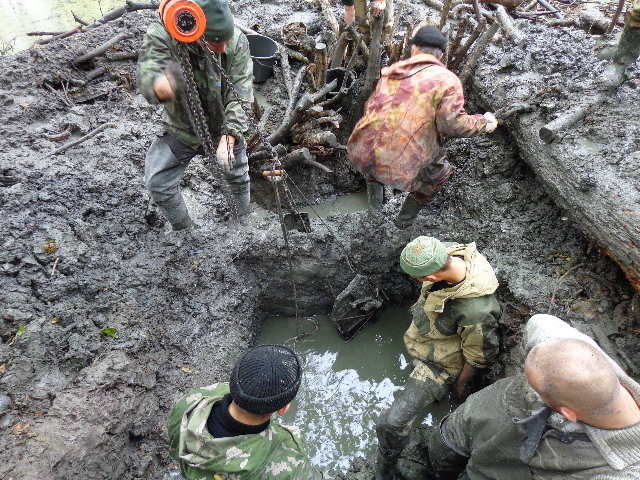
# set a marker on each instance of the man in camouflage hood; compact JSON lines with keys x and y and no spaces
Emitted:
{"x":225,"y":431}
{"x":453,"y":335}
{"x":416,"y":104}
{"x":159,"y":81}
{"x":573,"y":414}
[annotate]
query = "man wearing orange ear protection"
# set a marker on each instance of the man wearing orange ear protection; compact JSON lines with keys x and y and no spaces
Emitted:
{"x":160,"y":81}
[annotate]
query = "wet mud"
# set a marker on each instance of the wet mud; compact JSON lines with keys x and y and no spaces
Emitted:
{"x":106,"y":318}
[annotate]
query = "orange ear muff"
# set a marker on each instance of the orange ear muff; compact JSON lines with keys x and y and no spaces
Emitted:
{"x":183,"y":19}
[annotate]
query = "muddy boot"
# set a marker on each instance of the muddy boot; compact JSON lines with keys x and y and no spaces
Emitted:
{"x":375,"y":195}
{"x":241,"y":195}
{"x":176,"y":213}
{"x":386,"y":464}
{"x":408,"y":213}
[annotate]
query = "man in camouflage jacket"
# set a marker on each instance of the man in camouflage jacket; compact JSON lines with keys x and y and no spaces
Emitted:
{"x":574,"y":414}
{"x":416,"y":103}
{"x":225,"y":432}
{"x":159,"y":82}
{"x":453,"y":335}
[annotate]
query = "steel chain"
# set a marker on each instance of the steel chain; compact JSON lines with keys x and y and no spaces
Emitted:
{"x":200,"y":125}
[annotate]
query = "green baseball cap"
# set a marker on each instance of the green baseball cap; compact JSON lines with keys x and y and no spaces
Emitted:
{"x":219,"y":20}
{"x":423,"y":256}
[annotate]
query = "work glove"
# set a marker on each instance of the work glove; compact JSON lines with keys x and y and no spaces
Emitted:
{"x":377,"y":7}
{"x":492,"y":122}
{"x":224,"y":156}
{"x":349,"y":14}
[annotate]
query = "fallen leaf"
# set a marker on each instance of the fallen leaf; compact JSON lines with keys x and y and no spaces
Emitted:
{"x":21,"y":330}
{"x":20,"y":428}
{"x":3,"y":368}
{"x":50,"y":247}
{"x":110,"y":332}
{"x":185,"y":369}
{"x":24,"y":104}
{"x":55,"y":320}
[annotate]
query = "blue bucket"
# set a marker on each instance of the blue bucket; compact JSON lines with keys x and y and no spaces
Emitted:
{"x":263,"y":51}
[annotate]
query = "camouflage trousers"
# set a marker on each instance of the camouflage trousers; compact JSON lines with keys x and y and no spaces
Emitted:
{"x":430,"y":384}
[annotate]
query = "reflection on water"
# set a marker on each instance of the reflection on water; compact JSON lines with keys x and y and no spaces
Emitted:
{"x":19,"y":17}
{"x":346,"y":384}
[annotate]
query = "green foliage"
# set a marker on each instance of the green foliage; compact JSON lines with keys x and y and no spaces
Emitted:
{"x":110,"y":332}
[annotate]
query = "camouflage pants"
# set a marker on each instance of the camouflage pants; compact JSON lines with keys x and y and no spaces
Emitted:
{"x":394,"y":424}
{"x":362,"y":18}
{"x":431,"y":179}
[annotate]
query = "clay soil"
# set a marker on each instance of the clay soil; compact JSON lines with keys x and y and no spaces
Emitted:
{"x":106,"y":318}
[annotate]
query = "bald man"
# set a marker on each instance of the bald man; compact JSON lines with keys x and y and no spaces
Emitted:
{"x":574,"y":414}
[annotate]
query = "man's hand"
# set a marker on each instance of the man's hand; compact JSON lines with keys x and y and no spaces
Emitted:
{"x":377,"y":7}
{"x":224,"y":154}
{"x":463,"y":384}
{"x":492,"y":122}
{"x":461,"y":390}
{"x":349,"y":14}
{"x":162,"y":89}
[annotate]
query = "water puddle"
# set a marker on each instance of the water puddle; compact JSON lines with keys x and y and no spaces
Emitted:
{"x":346,"y":384}
{"x":18,"y":17}
{"x":352,"y":202}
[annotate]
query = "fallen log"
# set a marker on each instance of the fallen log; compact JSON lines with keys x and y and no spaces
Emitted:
{"x":589,"y":173}
{"x":101,"y":49}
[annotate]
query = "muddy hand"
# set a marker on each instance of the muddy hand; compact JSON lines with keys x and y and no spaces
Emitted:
{"x":377,"y":7}
{"x":492,"y":122}
{"x":162,"y":89}
{"x":224,"y":154}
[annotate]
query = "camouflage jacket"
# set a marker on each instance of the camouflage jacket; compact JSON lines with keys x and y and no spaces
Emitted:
{"x":458,"y":324}
{"x":155,"y":55}
{"x":416,"y":103}
{"x":274,"y":454}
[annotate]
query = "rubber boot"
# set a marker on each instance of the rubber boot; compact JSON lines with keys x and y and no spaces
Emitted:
{"x":395,"y":424}
{"x":176,"y":213}
{"x":375,"y":195}
{"x":408,"y":213}
{"x":386,"y":463}
{"x":241,"y":196}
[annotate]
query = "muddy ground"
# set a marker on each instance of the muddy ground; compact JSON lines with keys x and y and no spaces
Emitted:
{"x":106,"y":318}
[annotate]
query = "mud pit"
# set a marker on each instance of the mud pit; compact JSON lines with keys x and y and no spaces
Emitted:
{"x":75,"y":402}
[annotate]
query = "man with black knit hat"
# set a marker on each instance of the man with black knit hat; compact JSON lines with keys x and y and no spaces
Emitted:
{"x":159,"y":81}
{"x":225,"y":431}
{"x":416,"y":103}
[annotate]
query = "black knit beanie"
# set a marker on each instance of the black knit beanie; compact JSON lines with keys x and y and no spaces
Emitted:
{"x":429,"y":37}
{"x":265,"y":379}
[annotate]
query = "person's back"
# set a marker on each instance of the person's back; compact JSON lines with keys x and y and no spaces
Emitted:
{"x":508,"y":431}
{"x":225,"y":430}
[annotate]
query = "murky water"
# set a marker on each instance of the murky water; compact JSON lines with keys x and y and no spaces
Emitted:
{"x":19,"y":17}
{"x":346,"y":384}
{"x":352,"y":202}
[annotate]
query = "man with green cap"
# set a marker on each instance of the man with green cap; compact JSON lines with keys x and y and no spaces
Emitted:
{"x":453,"y":335}
{"x":225,"y":431}
{"x":159,"y":81}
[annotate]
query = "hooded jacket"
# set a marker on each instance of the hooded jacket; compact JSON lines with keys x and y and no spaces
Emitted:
{"x":218,"y":100}
{"x":488,"y":431}
{"x":416,"y":102}
{"x":274,"y":454}
{"x":457,"y":324}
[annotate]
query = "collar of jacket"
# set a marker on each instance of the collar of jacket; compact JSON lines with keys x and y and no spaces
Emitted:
{"x":618,"y":447}
{"x":480,"y":280}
